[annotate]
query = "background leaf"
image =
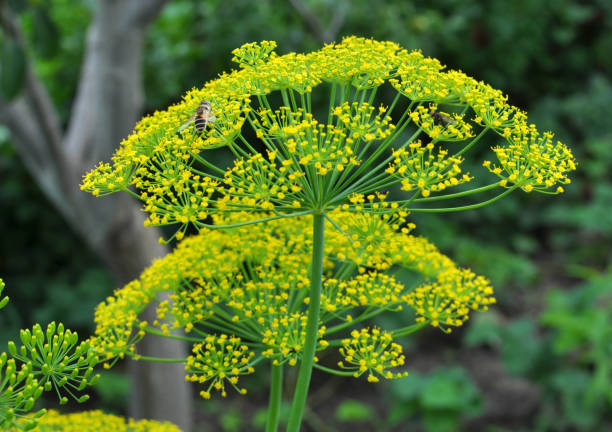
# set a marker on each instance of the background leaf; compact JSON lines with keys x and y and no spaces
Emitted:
{"x":13,"y":66}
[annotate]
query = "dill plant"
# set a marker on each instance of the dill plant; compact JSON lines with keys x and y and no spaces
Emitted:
{"x":258,"y":283}
{"x":50,"y":360}
{"x":53,"y":360}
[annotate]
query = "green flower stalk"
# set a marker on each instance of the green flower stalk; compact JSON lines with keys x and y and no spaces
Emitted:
{"x":396,"y":124}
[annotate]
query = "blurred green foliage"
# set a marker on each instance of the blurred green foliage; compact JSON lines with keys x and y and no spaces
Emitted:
{"x":566,"y":351}
{"x":46,"y":279}
{"x":581,"y":320}
{"x":113,"y":390}
{"x":12,"y":72}
{"x":354,"y":411}
{"x":552,"y":58}
{"x":442,"y":399}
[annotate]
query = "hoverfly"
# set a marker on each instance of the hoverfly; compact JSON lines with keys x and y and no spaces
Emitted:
{"x":442,"y":119}
{"x":201,"y":118}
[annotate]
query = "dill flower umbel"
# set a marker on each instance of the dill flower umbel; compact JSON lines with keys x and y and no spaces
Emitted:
{"x":353,"y":138}
{"x":219,"y":359}
{"x":62,"y":363}
{"x":46,"y":360}
{"x":96,"y":421}
{"x":372,"y":351}
{"x":258,"y":287}
{"x":292,"y":159}
{"x":19,"y":389}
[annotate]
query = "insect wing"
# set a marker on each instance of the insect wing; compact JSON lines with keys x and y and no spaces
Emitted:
{"x":186,"y":124}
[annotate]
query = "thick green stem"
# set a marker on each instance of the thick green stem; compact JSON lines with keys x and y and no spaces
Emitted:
{"x":276,"y":396}
{"x":312,"y":326}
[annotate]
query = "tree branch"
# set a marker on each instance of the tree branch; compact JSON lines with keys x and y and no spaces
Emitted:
{"x":43,"y":108}
{"x":108,"y":103}
{"x":324,"y":35}
{"x":140,"y":13}
{"x":34,"y":123}
{"x":337,"y":21}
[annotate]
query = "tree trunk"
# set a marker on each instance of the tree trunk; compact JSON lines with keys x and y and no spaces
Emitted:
{"x":107,"y":105}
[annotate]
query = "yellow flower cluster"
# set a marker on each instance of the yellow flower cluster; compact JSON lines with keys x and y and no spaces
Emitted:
{"x":118,"y":326}
{"x":532,"y":161}
{"x":291,"y":71}
{"x":186,"y":194}
{"x":372,"y":351}
{"x":289,"y":158}
{"x":321,"y":148}
{"x":448,"y":301}
{"x":359,"y":121}
{"x":420,"y":79}
{"x":492,"y":110}
{"x":280,"y":124}
{"x":416,"y":253}
{"x":219,"y":359}
{"x":372,"y":289}
{"x":284,"y":338}
{"x":257,"y":182}
{"x":357,"y":62}
{"x":258,"y":287}
{"x":253,"y":54}
{"x":421,"y":167}
{"x":441,"y":126}
{"x":96,"y":421}
{"x":373,"y":235}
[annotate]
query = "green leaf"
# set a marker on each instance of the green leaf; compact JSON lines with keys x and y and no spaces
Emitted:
{"x":18,"y":5}
{"x":521,"y":348}
{"x":13,"y":63}
{"x":449,"y":390}
{"x":351,"y":410}
{"x":441,"y":421}
{"x":409,"y":388}
{"x":46,"y":35}
{"x":231,"y":421}
{"x":484,"y":329}
{"x":113,"y":389}
{"x":572,"y":385}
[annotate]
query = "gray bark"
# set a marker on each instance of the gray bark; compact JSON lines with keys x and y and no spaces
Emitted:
{"x":327,"y":34}
{"x":108,"y":104}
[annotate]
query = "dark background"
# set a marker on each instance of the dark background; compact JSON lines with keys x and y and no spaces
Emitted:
{"x":541,"y":360}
